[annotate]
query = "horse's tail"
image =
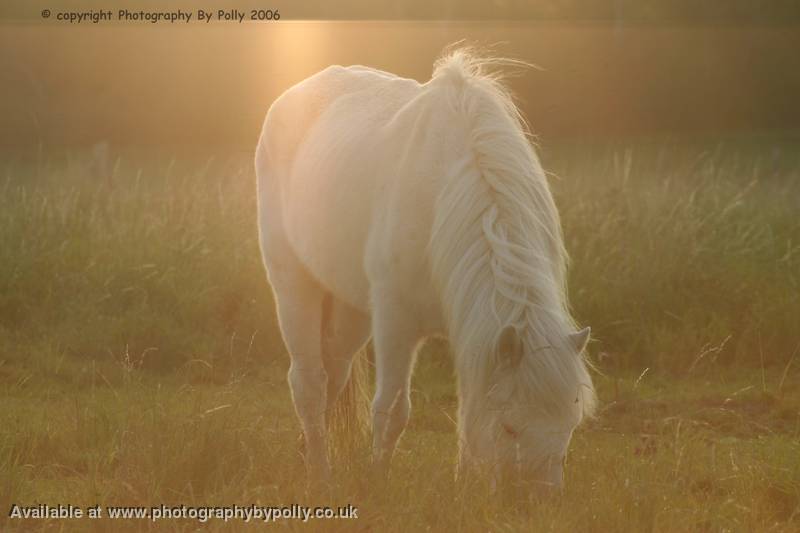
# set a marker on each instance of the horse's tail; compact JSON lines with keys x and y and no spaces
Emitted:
{"x":348,"y":420}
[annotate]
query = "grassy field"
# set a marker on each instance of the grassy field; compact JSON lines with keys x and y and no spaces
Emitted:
{"x":140,"y":363}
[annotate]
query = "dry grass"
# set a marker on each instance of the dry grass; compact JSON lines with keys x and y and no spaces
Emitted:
{"x":140,"y":363}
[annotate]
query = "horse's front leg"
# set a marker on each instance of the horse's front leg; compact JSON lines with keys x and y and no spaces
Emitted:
{"x":396,"y":335}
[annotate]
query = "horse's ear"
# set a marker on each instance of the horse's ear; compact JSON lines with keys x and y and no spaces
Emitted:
{"x":509,"y":347}
{"x":579,"y":339}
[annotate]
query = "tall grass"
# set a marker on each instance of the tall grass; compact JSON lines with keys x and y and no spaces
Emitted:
{"x":675,"y":251}
{"x":679,"y":253}
{"x":155,"y":266}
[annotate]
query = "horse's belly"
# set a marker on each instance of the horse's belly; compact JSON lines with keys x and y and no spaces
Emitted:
{"x":333,"y":255}
{"x":328,"y":211}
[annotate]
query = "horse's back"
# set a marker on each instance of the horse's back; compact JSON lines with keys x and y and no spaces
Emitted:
{"x":320,"y":159}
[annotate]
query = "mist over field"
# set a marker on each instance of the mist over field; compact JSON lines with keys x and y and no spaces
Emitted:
{"x":140,"y":359}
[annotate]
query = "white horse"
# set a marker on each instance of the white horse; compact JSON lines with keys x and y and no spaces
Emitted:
{"x":400,"y":210}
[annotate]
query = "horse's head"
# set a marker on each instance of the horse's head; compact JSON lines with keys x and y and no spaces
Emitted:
{"x":507,"y":431}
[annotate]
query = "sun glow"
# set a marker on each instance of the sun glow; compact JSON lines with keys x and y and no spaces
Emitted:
{"x":299,"y":48}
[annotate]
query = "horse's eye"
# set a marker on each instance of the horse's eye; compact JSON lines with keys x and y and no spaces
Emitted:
{"x":511,"y":432}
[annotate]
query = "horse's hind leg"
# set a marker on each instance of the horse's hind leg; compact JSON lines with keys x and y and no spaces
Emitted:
{"x":299,"y":301}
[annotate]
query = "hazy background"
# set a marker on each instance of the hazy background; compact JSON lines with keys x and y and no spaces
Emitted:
{"x":140,"y":359}
{"x":610,"y":68}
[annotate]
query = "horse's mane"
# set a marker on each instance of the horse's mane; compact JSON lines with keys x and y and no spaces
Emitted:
{"x":497,"y":250}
